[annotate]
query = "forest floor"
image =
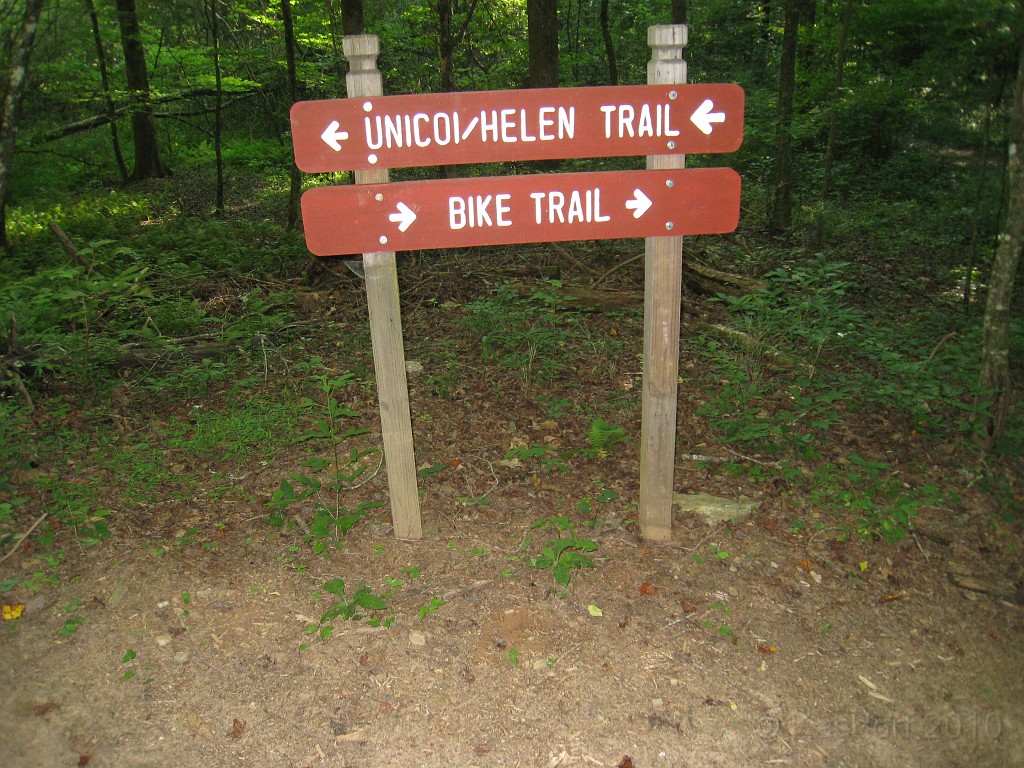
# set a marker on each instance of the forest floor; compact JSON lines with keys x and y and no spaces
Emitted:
{"x":194,"y":635}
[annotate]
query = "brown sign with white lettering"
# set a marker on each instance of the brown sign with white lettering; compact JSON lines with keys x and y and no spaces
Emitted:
{"x":455,"y":213}
{"x":531,"y":124}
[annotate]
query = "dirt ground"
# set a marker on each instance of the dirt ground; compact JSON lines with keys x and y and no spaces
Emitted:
{"x":737,"y":644}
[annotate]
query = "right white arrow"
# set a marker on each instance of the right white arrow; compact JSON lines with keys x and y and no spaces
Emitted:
{"x":404,"y":217}
{"x":703,"y":117}
{"x":333,"y":136}
{"x":640,"y":203}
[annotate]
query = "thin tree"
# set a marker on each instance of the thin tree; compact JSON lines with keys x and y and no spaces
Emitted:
{"x":609,"y":45}
{"x":542,"y":41}
{"x":447,"y":43}
{"x":15,"y":88}
{"x":837,"y":96}
{"x":352,"y":17}
{"x":148,"y":164}
{"x":679,"y":11}
{"x":995,"y":385}
{"x":542,"y":45}
{"x":108,"y":99}
{"x":293,"y":91}
{"x":782,"y":175}
{"x":218,"y":109}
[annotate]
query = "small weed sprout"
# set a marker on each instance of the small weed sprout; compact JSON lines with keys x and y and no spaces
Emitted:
{"x":603,"y":436}
{"x":363,"y":604}
{"x":330,"y":521}
{"x":429,"y":608}
{"x":562,"y":555}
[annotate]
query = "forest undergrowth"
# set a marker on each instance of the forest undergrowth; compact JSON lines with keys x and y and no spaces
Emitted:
{"x":818,"y":382}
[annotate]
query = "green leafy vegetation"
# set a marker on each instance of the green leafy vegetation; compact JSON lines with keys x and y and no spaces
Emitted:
{"x":564,"y":554}
{"x":529,"y":335}
{"x":362,"y":604}
{"x":330,"y":520}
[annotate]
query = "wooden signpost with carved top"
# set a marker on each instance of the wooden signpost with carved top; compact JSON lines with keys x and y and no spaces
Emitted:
{"x":665,"y":119}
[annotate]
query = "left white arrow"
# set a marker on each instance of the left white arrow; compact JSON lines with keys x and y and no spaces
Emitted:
{"x":333,"y":136}
{"x":640,"y":203}
{"x":404,"y":217}
{"x":703,"y":117}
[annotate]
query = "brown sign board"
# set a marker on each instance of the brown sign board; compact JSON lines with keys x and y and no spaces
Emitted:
{"x":457,"y":213}
{"x":530,"y":124}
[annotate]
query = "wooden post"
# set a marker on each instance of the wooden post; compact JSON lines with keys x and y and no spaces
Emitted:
{"x":381,"y":274}
{"x":662,"y":291}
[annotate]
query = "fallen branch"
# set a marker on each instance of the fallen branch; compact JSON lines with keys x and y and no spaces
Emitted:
{"x":973,"y":584}
{"x":24,"y":536}
{"x":712,"y":282}
{"x":65,"y":241}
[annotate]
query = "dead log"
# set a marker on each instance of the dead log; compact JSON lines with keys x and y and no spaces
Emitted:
{"x":974,"y":584}
{"x":712,"y":282}
{"x":701,"y":279}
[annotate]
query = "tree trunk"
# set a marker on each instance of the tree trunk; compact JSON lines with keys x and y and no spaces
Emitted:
{"x":108,"y":100}
{"x":678,"y":15}
{"x":352,"y":17}
{"x":782,"y":176}
{"x":609,"y":45}
{"x":996,"y":386}
{"x":445,"y":55}
{"x":218,"y":109}
{"x":445,"y":45}
{"x":293,"y":90}
{"x":148,"y":164}
{"x":17,"y":76}
{"x":542,"y":44}
{"x":972,"y":247}
{"x":542,"y":34}
{"x":447,"y":42}
{"x":837,"y":96}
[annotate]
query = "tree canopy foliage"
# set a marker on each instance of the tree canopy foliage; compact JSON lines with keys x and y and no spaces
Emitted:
{"x":918,"y":72}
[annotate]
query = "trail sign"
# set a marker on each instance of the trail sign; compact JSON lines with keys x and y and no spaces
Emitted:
{"x":455,"y":213}
{"x":531,"y":124}
{"x":370,"y":133}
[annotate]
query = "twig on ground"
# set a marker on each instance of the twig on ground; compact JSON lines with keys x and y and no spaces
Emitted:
{"x":24,"y":536}
{"x":604,"y":275}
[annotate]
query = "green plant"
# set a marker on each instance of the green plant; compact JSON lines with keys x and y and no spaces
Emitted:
{"x":360,"y":605}
{"x":330,"y":521}
{"x":425,"y":610}
{"x":527,"y":334}
{"x":562,"y":555}
{"x":73,"y":619}
{"x":881,"y":503}
{"x":446,"y":384}
{"x":556,"y":407}
{"x":603,"y":436}
{"x":550,"y":459}
{"x":75,"y":508}
{"x":128,"y":657}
